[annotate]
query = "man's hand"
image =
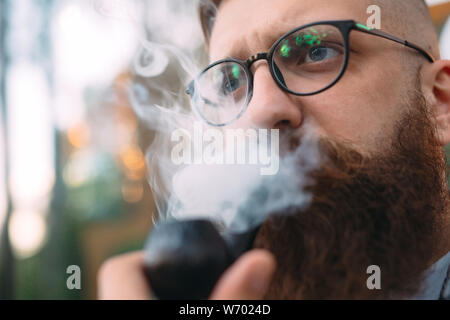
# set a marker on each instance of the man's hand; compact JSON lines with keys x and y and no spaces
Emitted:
{"x":248,"y":278}
{"x":121,"y":278}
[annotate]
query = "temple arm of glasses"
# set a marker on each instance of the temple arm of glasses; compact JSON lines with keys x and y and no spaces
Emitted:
{"x":379,"y":33}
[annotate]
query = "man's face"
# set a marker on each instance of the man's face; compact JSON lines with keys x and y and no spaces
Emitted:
{"x":382,"y":189}
{"x":361,"y":108}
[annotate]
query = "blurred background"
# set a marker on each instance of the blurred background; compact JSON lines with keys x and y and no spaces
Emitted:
{"x":73,"y":175}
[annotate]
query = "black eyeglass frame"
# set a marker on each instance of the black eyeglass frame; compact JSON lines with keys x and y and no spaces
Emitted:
{"x":344,"y":26}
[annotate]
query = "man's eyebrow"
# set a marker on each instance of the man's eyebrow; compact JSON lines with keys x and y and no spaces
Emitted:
{"x":241,"y":50}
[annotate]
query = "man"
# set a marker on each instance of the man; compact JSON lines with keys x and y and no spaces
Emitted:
{"x":382,"y":199}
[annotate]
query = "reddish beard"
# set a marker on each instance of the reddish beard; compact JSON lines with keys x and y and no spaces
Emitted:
{"x":385,"y":210}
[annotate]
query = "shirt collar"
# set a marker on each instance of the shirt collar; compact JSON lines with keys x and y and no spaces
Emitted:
{"x":436,"y":284}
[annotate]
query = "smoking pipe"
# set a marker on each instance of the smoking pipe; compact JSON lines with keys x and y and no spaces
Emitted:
{"x":184,"y":259}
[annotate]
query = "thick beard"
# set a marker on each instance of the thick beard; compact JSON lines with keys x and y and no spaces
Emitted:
{"x":384,"y":210}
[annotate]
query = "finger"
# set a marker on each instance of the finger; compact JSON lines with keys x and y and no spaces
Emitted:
{"x":248,"y":278}
{"x":122,"y":278}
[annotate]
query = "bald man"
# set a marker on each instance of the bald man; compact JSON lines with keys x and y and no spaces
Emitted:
{"x":380,"y":104}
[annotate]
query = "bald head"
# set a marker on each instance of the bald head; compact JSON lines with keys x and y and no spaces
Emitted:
{"x":408,"y":19}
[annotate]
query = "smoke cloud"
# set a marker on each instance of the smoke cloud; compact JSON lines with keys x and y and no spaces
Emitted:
{"x":234,"y":196}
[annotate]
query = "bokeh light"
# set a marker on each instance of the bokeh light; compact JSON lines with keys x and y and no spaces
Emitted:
{"x":27,"y":230}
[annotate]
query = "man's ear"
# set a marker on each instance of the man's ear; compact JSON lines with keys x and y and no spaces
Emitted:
{"x":436,"y":89}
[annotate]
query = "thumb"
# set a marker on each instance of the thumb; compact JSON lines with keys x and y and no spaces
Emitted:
{"x":248,"y":278}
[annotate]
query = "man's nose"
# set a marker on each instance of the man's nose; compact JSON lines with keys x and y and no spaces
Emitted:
{"x":271,"y":107}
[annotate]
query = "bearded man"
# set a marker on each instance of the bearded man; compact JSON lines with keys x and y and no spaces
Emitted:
{"x":380,"y":103}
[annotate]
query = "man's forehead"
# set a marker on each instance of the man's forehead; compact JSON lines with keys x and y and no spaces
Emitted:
{"x":243,"y":26}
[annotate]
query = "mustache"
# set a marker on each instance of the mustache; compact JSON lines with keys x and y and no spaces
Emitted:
{"x":291,"y":138}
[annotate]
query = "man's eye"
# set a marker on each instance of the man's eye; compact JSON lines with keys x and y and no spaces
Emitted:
{"x":231,"y":85}
{"x":320,"y":54}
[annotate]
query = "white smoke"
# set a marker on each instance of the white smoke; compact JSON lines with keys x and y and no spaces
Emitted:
{"x":237,"y":196}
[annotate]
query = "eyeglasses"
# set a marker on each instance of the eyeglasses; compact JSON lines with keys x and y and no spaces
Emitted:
{"x":305,"y":61}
